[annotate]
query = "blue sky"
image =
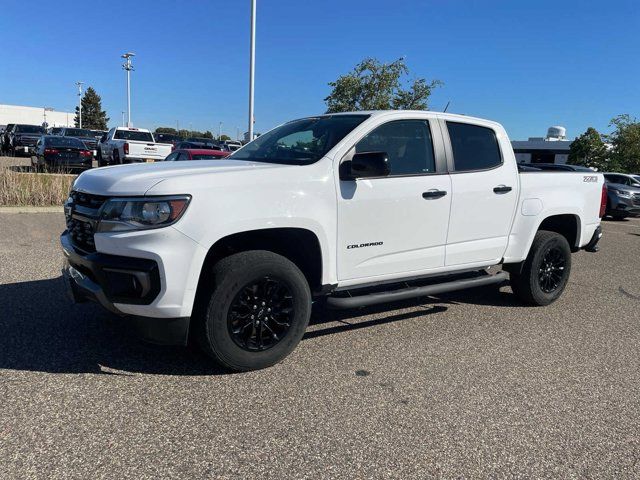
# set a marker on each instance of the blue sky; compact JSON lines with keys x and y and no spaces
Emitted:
{"x":528,"y":65}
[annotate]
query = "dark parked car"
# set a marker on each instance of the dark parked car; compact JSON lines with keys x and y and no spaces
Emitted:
{"x":196,"y":154}
{"x":85,"y":135}
{"x":556,"y":167}
{"x":623,"y":195}
{"x":54,"y":130}
{"x":167,"y":138}
{"x":22,"y":138}
{"x":53,"y":152}
{"x":195,"y":145}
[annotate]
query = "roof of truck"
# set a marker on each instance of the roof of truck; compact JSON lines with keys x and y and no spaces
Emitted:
{"x":433,"y":113}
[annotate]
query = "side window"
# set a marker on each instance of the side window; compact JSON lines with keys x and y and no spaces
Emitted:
{"x":182,"y":156}
{"x":407,"y":143}
{"x":171,"y":157}
{"x":474,"y":147}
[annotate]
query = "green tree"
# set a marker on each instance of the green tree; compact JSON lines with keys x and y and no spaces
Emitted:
{"x":373,"y":85}
{"x":590,"y":150}
{"x":93,"y":116}
{"x":224,"y":138}
{"x":207,"y":134}
{"x":625,"y":143}
{"x":169,"y":130}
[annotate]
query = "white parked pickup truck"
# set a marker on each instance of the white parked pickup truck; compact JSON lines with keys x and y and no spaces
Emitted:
{"x":353,"y":209}
{"x":130,"y":145}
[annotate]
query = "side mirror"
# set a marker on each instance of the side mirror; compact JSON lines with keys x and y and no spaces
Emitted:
{"x":365,"y":165}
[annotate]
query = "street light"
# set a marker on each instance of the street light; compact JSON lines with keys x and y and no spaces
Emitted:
{"x":219,"y":130}
{"x":79,"y":84}
{"x":123,"y":124}
{"x":128,"y":67}
{"x":252,"y":65}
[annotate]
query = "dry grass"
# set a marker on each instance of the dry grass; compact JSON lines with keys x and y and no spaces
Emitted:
{"x":21,"y":189}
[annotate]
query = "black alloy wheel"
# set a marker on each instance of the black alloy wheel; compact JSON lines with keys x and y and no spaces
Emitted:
{"x":552,"y":269}
{"x":261,"y":314}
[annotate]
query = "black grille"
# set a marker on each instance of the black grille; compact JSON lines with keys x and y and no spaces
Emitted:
{"x":81,"y":234}
{"x":636,"y":198}
{"x":82,"y":215}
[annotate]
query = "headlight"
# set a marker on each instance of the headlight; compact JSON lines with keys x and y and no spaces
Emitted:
{"x":126,"y":214}
{"x":622,"y":193}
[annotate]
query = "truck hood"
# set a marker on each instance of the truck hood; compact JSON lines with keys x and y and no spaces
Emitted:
{"x":138,"y":178}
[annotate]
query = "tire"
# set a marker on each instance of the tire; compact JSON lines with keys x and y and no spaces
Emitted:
{"x":619,"y":216}
{"x":99,"y":159}
{"x":536,"y":284}
{"x":227,"y":328}
{"x":116,"y":158}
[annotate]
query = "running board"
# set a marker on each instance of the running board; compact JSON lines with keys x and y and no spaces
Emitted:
{"x":368,"y":299}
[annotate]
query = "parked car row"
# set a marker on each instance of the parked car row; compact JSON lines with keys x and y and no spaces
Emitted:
{"x":178,"y":142}
{"x":18,"y":138}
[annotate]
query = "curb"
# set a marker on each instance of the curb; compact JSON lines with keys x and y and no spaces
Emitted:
{"x":52,"y":209}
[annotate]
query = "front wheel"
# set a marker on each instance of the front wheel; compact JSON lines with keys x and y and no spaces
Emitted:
{"x":256,"y":312}
{"x":545,"y":273}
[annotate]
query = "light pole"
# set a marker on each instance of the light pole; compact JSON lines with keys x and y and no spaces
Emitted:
{"x":127,"y":65}
{"x":219,"y":130}
{"x":123,"y":124}
{"x":79,"y":84}
{"x":252,"y":66}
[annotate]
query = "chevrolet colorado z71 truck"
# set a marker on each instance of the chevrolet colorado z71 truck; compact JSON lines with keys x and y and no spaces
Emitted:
{"x":353,"y":208}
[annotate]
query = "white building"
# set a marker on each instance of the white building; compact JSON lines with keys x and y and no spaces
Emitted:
{"x":554,"y":148}
{"x":35,"y":116}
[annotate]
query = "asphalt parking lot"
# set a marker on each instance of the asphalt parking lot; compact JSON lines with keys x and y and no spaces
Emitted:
{"x":464,"y":385}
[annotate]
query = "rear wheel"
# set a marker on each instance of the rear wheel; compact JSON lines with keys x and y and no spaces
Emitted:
{"x":256,"y":312}
{"x":116,"y":157}
{"x":99,"y":158}
{"x":545,"y":273}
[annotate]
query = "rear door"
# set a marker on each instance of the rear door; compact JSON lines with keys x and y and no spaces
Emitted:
{"x":395,"y":225}
{"x":484,"y":184}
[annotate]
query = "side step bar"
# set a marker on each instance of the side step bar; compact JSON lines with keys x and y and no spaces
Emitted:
{"x":368,"y":299}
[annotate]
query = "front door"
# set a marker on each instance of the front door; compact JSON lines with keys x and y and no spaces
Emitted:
{"x":396,"y":224}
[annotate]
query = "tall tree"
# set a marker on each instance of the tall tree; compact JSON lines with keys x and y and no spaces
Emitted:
{"x":92,"y":114}
{"x":625,"y":142}
{"x":373,"y":85}
{"x":590,"y":150}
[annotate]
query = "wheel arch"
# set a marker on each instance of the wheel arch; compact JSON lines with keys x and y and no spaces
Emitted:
{"x":299,"y":245}
{"x":567,"y":224}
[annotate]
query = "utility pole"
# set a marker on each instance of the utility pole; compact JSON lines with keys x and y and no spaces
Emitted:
{"x":79,"y":84}
{"x":128,"y":67}
{"x":123,"y":124}
{"x":252,"y":66}
{"x":219,"y":130}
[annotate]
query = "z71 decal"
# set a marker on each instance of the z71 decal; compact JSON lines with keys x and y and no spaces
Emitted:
{"x":590,"y":178}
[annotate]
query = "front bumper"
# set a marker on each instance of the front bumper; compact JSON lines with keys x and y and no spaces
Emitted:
{"x":127,"y":275}
{"x":624,"y":206}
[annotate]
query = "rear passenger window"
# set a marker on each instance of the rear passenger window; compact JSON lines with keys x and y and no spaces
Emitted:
{"x":407,"y":143}
{"x":474,"y":147}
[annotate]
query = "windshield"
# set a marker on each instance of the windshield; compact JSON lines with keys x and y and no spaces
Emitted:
{"x":68,"y":142}
{"x":135,"y":135}
{"x":300,"y":142}
{"x":28,"y":129}
{"x":77,"y":132}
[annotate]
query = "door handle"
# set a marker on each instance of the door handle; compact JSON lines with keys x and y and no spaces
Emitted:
{"x":433,"y":194}
{"x":501,"y":189}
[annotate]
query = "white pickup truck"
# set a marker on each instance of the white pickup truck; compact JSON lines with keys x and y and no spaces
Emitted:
{"x":353,"y":209}
{"x":130,"y":145}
